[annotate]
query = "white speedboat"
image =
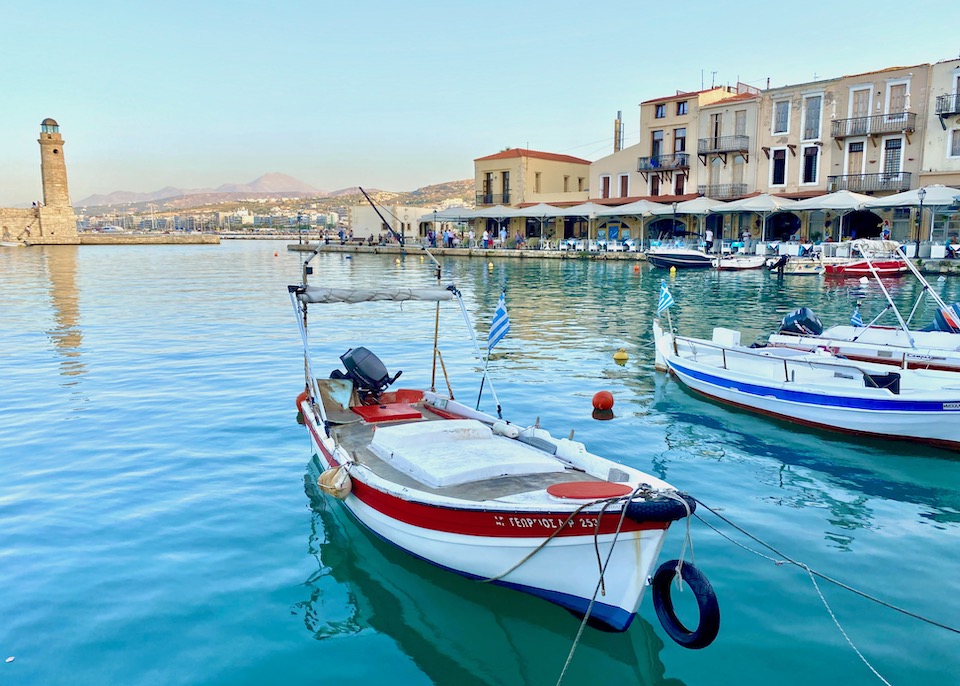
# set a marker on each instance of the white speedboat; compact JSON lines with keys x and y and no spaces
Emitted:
{"x":482,"y":497}
{"x":816,"y":389}
{"x":681,"y":258}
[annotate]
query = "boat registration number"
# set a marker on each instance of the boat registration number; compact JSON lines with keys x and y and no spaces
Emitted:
{"x":951,"y":406}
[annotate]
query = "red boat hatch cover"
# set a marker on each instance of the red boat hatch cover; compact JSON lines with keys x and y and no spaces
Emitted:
{"x":387,"y":413}
{"x":588,"y":490}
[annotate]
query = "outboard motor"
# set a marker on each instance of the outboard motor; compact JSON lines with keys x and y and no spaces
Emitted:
{"x":802,"y":322}
{"x":368,"y":374}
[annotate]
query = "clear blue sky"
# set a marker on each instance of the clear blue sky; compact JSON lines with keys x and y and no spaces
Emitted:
{"x":393,"y":95}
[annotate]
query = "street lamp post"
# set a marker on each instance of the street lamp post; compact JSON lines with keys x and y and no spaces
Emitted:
{"x":922,"y":193}
{"x":673,"y":226}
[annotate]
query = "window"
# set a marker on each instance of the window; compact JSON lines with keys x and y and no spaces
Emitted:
{"x":678,"y":184}
{"x":811,"y":154}
{"x":811,"y":117}
{"x":536,"y":182}
{"x":656,"y":146}
{"x":682,"y":107}
{"x":580,"y":183}
{"x":566,"y":184}
{"x":954,"y":150}
{"x":624,"y":186}
{"x":781,"y":116}
{"x":605,"y":186}
{"x":740,"y":122}
{"x":654,"y":185}
{"x":855,"y":158}
{"x":778,"y":171}
{"x":660,"y":112}
{"x":892,"y":148}
{"x":680,"y":140}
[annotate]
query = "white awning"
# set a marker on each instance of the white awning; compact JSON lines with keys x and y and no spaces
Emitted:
{"x":320,"y":294}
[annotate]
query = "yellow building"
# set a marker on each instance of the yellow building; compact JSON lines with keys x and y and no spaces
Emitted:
{"x":518,"y":177}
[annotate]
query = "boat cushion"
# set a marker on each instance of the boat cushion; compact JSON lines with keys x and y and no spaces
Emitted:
{"x":456,"y":451}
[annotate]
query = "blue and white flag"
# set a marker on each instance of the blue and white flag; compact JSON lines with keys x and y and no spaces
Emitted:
{"x":501,"y":323}
{"x":855,"y":318}
{"x":666,"y":300}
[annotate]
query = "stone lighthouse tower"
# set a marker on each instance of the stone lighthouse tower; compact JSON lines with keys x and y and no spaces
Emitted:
{"x":57,"y":221}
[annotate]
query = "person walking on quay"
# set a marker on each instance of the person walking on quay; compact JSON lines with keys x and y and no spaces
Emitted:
{"x":709,"y":240}
{"x":503,"y":237}
{"x":472,"y":236}
{"x":486,"y":238}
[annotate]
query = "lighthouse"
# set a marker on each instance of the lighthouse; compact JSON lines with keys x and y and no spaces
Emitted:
{"x":56,"y":221}
{"x":53,"y":169}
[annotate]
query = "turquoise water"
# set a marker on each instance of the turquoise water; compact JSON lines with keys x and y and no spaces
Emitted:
{"x":155,"y":527}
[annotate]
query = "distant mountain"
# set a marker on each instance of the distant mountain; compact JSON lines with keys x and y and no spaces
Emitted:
{"x":279,"y":186}
{"x":275,"y":184}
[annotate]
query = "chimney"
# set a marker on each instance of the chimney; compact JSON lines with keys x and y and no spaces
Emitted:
{"x":618,"y":132}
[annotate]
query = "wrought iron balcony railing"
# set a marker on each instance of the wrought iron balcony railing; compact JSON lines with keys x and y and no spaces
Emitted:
{"x":678,"y":160}
{"x":722,"y":191}
{"x":948,"y":104}
{"x":493,"y":198}
{"x":869,"y":182}
{"x":717,"y":144}
{"x":894,"y":122}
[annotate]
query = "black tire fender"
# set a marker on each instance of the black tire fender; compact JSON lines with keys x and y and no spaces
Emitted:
{"x":709,"y":624}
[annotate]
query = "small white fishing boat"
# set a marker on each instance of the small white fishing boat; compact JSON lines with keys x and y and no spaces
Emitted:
{"x":816,"y":389}
{"x":490,"y":500}
{"x":796,"y":266}
{"x":937,"y":347}
{"x":732,"y":263}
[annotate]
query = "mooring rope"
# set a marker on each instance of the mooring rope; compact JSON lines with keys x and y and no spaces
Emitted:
{"x":787,"y":558}
{"x":813,"y":579}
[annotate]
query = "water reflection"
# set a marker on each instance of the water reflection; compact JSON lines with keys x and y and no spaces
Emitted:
{"x":455,"y":630}
{"x":844,"y":475}
{"x":61,"y":266}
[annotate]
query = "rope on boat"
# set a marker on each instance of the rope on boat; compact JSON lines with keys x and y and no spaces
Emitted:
{"x":813,"y":579}
{"x":593,"y":599}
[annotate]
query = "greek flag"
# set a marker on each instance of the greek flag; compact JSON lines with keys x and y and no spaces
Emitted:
{"x":501,"y":323}
{"x":855,"y":318}
{"x":666,"y":300}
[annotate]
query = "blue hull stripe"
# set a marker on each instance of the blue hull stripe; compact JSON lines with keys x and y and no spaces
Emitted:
{"x":807,"y":398}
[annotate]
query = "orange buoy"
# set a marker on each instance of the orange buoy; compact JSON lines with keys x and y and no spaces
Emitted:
{"x":275,"y":254}
{"x":603,"y":400}
{"x":301,"y":398}
{"x":636,"y":268}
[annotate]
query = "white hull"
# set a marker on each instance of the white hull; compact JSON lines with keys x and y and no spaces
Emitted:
{"x":818,"y":390}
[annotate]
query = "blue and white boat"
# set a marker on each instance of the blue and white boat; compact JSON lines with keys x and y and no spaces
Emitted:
{"x":816,"y":389}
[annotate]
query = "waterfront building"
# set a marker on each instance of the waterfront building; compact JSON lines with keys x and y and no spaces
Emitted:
{"x":517,"y":176}
{"x":53,"y":221}
{"x":366,"y":223}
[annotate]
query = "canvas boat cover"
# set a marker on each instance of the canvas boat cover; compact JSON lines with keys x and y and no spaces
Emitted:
{"x":320,"y":294}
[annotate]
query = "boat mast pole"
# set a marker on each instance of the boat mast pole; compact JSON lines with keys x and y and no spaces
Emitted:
{"x":886,"y":294}
{"x":476,"y":347}
{"x":301,"y":314}
{"x":926,"y":286}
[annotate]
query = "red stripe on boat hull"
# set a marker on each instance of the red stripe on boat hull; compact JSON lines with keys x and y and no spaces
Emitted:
{"x":490,"y":523}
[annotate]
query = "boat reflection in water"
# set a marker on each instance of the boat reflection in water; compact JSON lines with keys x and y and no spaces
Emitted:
{"x":459,"y":631}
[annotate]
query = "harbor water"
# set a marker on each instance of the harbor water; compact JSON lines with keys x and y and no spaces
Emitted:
{"x":156,"y":526}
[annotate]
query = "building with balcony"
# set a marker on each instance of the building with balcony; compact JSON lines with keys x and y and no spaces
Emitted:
{"x":663,"y":163}
{"x":726,"y":145}
{"x":517,"y":176}
{"x":794,"y":153}
{"x":877,"y":123}
{"x":941,"y":146}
